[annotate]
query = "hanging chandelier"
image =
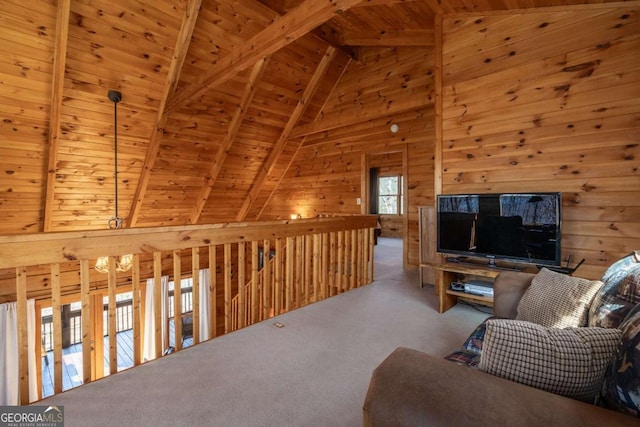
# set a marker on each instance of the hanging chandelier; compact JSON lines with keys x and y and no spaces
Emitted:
{"x":124,"y":262}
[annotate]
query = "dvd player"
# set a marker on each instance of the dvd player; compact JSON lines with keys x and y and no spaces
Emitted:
{"x":479,"y":287}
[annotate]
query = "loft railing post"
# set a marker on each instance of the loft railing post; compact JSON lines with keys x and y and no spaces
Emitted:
{"x":23,"y":355}
{"x":213,"y":292}
{"x":195,"y":292}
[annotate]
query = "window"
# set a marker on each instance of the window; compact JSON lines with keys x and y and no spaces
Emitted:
{"x":390,"y":195}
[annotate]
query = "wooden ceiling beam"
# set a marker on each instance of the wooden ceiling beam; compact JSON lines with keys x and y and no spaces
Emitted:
{"x":175,"y":67}
{"x":57,"y":88}
{"x":302,"y":141}
{"x":436,"y":6}
{"x":323,"y":32}
{"x":303,"y":102}
{"x":230,"y":137}
{"x":283,"y":31}
{"x":390,"y":38}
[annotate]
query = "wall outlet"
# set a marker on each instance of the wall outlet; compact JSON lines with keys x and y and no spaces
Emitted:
{"x":358,"y":201}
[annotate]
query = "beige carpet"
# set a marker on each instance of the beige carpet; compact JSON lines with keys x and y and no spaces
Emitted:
{"x":312,"y":372}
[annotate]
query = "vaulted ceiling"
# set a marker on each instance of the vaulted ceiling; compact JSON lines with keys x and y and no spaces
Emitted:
{"x":213,"y":93}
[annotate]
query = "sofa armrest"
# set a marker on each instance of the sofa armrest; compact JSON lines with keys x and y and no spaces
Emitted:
{"x":412,"y":388}
{"x":508,"y":288}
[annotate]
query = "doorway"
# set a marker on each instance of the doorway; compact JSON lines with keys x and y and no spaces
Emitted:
{"x":384,"y":192}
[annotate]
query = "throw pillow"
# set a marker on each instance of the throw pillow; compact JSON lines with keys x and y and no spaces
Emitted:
{"x":621,"y":390}
{"x":556,"y":300}
{"x":619,"y":294}
{"x":570,"y":362}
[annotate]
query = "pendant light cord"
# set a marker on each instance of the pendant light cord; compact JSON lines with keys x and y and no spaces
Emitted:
{"x":115,"y":133}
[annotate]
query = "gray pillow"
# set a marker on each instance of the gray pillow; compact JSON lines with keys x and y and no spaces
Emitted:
{"x":556,"y":300}
{"x":571,"y":362}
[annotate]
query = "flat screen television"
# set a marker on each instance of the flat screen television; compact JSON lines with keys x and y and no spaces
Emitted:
{"x":522,"y":227}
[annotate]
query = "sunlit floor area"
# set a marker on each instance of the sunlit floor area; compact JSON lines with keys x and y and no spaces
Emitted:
{"x":72,"y":360}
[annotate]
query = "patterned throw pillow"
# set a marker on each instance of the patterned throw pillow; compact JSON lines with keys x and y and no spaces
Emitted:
{"x":556,"y":300}
{"x":571,"y":362}
{"x":621,"y":390}
{"x":620,"y":293}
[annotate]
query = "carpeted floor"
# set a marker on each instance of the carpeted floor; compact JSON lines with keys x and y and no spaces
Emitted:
{"x":314,"y":371}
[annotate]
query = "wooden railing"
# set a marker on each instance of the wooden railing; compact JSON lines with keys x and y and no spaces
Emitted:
{"x":312,"y":259}
{"x":303,"y":270}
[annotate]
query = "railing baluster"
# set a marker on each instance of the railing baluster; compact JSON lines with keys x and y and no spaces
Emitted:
{"x":56,"y":317}
{"x":87,"y":335}
{"x":278,"y":278}
{"x":289,"y":276}
{"x":332,"y":263}
{"x":113,"y":346}
{"x":324,"y":254}
{"x":136,"y":318}
{"x":255,"y":305}
{"x":213,"y":292}
{"x":158,"y":303}
{"x":177,"y":299}
{"x":195,"y":294}
{"x":266,"y":291}
{"x":307,"y":268}
{"x":242,"y":263}
{"x":227,"y":287}
{"x":299,"y":270}
{"x":23,"y":355}
{"x":353,"y":271}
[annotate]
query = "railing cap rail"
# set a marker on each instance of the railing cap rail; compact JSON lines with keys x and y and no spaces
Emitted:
{"x":22,"y":250}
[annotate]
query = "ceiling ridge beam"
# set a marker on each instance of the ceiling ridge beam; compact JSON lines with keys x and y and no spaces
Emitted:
{"x":230,"y":137}
{"x":57,"y":88}
{"x":282,"y":32}
{"x":175,"y":67}
{"x":274,"y":155}
{"x":302,"y":141}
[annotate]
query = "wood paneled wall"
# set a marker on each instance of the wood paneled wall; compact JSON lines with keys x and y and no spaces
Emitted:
{"x":549,"y":100}
{"x":386,"y":86}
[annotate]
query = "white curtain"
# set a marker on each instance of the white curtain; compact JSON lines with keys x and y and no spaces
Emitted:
{"x":149,"y":338}
{"x":9,"y":365}
{"x":204,"y":304}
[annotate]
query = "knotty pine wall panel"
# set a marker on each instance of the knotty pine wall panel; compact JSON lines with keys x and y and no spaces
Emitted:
{"x":549,"y":101}
{"x":26,"y":44}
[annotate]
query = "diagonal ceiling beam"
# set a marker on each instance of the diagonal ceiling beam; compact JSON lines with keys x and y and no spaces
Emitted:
{"x":57,"y":87}
{"x":230,"y":137}
{"x":283,"y":31}
{"x":295,"y":154}
{"x":436,"y":7}
{"x":267,"y":167}
{"x":179,"y":53}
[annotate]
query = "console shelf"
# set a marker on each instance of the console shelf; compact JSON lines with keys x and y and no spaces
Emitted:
{"x":476,"y":298}
{"x":448,"y":272}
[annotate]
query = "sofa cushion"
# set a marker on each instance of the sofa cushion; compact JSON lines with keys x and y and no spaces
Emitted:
{"x":619,"y":294}
{"x":571,"y":362}
{"x":556,"y":300}
{"x":621,"y":390}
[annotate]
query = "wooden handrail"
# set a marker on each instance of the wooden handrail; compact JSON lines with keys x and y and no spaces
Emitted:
{"x":341,"y":258}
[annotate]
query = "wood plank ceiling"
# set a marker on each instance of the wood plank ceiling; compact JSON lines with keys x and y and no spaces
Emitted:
{"x":213,"y":92}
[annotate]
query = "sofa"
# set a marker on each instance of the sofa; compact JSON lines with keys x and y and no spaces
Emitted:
{"x":488,"y":381}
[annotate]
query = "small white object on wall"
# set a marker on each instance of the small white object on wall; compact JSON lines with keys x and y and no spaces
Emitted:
{"x":395,"y":128}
